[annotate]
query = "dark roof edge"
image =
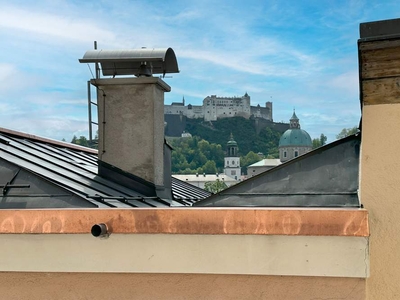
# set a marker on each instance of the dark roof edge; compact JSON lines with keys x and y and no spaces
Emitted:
{"x":126,"y":179}
{"x":47,"y":140}
{"x":382,"y":29}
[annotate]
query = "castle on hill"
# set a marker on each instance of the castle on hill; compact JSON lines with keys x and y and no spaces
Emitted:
{"x":214,"y":108}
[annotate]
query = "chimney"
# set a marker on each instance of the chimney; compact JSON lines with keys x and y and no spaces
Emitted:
{"x":132,"y":148}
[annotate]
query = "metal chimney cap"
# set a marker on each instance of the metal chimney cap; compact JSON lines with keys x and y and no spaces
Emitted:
{"x":132,"y":61}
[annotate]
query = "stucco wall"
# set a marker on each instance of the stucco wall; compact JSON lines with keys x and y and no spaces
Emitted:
{"x":380,"y":190}
{"x":79,"y":286}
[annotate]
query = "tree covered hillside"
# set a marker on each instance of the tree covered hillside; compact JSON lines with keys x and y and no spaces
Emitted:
{"x":243,"y":131}
{"x":204,"y":152}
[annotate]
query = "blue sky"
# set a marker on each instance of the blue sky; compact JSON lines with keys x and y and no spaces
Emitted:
{"x":297,"y":54}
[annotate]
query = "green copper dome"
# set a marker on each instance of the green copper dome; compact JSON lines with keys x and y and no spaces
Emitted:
{"x":295,"y":137}
{"x":231,"y":142}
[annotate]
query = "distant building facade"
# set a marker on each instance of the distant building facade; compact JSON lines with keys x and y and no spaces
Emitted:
{"x":262,"y":166}
{"x":200,"y":180}
{"x":215,"y":108}
{"x":294,"y":141}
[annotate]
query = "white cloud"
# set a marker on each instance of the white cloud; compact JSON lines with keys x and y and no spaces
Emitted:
{"x":347,"y":82}
{"x":46,"y":25}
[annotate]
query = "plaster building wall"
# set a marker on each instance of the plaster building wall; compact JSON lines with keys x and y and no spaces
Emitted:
{"x":262,"y":112}
{"x":262,"y":166}
{"x":195,"y":111}
{"x":83,"y":286}
{"x":380,"y":195}
{"x":286,"y":153}
{"x":224,"y":107}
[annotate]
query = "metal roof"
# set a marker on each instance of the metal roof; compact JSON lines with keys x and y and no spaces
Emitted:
{"x":267,"y":162}
{"x":324,"y":177}
{"x":56,"y":170}
{"x":133,"y":61}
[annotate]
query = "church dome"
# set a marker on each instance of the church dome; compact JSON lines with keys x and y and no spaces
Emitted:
{"x":295,"y":137}
{"x":231,"y":142}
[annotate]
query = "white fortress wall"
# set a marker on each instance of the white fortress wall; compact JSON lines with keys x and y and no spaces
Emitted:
{"x":215,"y":107}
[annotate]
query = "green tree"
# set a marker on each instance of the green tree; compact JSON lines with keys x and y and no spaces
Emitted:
{"x":81,"y":141}
{"x":215,"y":187}
{"x":197,"y":155}
{"x":210,"y":167}
{"x":319,"y":142}
{"x":247,"y":160}
{"x":346,"y":132}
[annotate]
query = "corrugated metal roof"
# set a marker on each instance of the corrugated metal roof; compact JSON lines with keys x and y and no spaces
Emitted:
{"x":73,"y":170}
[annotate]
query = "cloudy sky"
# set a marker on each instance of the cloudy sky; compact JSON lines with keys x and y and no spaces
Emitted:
{"x":297,"y":54}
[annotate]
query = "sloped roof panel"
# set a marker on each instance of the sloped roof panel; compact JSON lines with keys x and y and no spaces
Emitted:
{"x":325,"y":177}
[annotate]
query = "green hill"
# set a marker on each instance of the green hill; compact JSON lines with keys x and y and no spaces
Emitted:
{"x":204,"y":152}
{"x":243,"y":130}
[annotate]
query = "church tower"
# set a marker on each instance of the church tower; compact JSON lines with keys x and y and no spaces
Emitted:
{"x":232,"y":160}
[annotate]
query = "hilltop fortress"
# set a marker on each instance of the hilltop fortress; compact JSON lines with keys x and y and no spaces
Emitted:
{"x":214,"y":108}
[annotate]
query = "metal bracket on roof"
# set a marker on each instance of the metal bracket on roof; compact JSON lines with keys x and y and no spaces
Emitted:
{"x":7,"y":186}
{"x":3,"y":141}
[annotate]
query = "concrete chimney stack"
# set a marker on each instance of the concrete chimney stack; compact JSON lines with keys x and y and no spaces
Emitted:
{"x":131,"y":125}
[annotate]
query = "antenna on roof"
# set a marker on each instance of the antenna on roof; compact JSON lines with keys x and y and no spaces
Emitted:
{"x":96,"y":64}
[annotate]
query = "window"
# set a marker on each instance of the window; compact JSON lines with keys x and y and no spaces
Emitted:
{"x":284,"y":153}
{"x":233,"y":162}
{"x":296,"y":153}
{"x":233,"y":172}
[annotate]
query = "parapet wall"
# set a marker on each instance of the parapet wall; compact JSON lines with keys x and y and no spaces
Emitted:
{"x":188,"y":253}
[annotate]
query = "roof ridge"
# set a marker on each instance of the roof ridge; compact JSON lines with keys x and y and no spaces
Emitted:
{"x":47,"y":140}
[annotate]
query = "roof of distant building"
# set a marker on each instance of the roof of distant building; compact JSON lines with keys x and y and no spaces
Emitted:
{"x":204,"y":177}
{"x":267,"y":162}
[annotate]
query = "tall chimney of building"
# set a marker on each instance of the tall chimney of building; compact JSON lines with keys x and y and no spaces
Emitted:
{"x":131,"y":125}
{"x":132,"y":147}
